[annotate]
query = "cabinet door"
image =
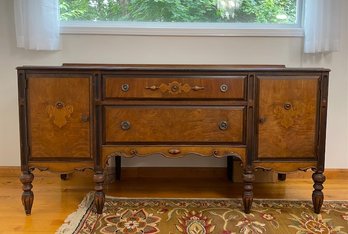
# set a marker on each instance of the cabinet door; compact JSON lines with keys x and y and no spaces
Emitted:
{"x":287,"y":116}
{"x":59,"y":116}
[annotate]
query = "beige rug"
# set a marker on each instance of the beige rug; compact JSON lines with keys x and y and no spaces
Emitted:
{"x":201,"y":216}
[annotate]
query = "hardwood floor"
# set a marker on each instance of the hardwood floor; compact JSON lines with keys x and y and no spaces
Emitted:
{"x":56,"y":199}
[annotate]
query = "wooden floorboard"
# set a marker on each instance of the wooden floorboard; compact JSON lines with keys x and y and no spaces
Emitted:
{"x":56,"y":199}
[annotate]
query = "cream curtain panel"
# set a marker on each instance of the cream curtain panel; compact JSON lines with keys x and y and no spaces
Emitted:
{"x":37,"y":24}
{"x":322,"y":25}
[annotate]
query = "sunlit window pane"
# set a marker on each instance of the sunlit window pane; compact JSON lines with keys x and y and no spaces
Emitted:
{"x":181,"y":11}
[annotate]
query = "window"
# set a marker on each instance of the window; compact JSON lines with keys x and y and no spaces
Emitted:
{"x":171,"y":15}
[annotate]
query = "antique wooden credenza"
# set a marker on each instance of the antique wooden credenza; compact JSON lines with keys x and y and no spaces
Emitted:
{"x":76,"y":116}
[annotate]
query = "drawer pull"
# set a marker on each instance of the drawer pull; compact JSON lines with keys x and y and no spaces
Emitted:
{"x":223,"y":125}
{"x":153,"y":87}
{"x":174,"y":88}
{"x":174,"y":151}
{"x":224,"y":88}
{"x":125,"y":125}
{"x":125,"y":87}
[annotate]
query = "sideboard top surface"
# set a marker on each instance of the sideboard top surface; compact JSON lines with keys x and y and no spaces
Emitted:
{"x":172,"y":67}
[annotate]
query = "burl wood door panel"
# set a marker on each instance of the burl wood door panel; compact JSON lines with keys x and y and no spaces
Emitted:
{"x":287,"y":116}
{"x":59,"y":116}
{"x":174,"y":124}
{"x":175,"y":88}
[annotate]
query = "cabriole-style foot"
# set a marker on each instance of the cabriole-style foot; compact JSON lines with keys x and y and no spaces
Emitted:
{"x":248,"y":178}
{"x":99,"y":197}
{"x":27,"y":196}
{"x":318,"y":196}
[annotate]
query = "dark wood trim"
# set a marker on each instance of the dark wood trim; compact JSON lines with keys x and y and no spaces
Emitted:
{"x":174,"y":65}
{"x":324,"y":84}
{"x":179,"y":67}
{"x":250,"y":131}
{"x":23,"y":124}
{"x":98,"y":122}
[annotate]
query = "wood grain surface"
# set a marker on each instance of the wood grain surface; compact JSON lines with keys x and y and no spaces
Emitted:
{"x":287,"y":112}
{"x":47,"y":139}
{"x":174,"y":124}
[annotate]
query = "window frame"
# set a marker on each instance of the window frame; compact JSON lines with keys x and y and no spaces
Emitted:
{"x":187,"y":29}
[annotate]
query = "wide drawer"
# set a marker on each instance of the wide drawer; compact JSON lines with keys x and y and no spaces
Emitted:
{"x":231,"y":87}
{"x":174,"y":124}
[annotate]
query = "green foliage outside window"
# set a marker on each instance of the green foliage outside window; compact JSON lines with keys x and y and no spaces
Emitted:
{"x":244,"y":11}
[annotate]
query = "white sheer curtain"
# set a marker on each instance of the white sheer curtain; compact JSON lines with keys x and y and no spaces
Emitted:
{"x":322,"y":19}
{"x":37,"y":24}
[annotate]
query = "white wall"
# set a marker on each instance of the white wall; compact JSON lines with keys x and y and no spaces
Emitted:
{"x":183,"y":50}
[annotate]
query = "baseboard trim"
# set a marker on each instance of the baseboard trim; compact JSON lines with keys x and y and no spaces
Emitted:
{"x":178,"y":172}
{"x":10,"y":171}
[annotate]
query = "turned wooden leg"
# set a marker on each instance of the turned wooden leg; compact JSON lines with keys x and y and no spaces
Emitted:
{"x":99,"y":197}
{"x":318,"y":196}
{"x":230,"y":168}
{"x":248,"y":178}
{"x":118,"y":167}
{"x":27,"y":196}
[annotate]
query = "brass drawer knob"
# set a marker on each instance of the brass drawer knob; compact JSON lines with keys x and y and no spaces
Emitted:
{"x":223,"y":125}
{"x":125,"y":87}
{"x":125,"y":125}
{"x":224,"y":88}
{"x":175,"y":88}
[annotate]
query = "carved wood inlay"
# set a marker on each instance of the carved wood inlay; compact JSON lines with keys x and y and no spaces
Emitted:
{"x":172,"y":152}
{"x":175,"y":87}
{"x":176,"y":152}
{"x":290,"y":113}
{"x":60,"y":113}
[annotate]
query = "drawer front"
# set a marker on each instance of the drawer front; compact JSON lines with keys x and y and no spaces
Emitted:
{"x":59,"y":116}
{"x":174,"y":124}
{"x":174,"y":88}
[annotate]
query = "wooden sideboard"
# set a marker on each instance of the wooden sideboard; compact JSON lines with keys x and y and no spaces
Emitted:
{"x":76,"y":116}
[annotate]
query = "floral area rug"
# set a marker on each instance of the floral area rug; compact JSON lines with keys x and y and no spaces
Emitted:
{"x":202,"y":216}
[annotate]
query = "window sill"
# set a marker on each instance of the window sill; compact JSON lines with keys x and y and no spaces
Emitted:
{"x":177,"y":29}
